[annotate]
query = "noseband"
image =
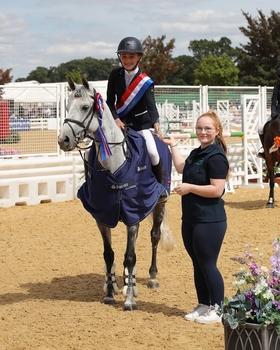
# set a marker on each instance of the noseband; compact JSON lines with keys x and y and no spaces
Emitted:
{"x":82,"y":124}
{"x":86,"y":123}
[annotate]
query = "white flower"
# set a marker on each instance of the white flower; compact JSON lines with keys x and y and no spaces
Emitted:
{"x":268,"y":295}
{"x":264,"y":269}
{"x":260,"y":287}
{"x":238,"y":283}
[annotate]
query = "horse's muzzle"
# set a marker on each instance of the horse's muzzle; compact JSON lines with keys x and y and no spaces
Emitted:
{"x":64,"y":144}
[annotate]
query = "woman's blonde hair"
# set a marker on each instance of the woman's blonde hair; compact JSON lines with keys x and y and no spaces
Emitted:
{"x":218,"y":125}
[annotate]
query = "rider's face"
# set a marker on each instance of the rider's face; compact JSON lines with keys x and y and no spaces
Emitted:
{"x":129,"y":60}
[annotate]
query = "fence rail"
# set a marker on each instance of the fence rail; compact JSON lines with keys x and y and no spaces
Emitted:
{"x":241,"y":110}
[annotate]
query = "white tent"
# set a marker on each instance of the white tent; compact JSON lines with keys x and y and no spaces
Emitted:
{"x":30,"y":92}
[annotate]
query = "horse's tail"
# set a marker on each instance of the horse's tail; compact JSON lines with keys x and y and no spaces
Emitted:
{"x":167,"y":239}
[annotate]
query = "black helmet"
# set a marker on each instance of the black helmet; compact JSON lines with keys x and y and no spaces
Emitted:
{"x":130,"y":44}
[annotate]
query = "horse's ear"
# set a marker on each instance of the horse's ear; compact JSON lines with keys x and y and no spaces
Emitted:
{"x":71,"y":83}
{"x":85,"y":83}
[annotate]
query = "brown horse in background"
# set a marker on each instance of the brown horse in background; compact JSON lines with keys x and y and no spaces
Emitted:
{"x":272,"y":154}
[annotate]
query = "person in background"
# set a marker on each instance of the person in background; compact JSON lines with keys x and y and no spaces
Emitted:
{"x":204,"y":220}
{"x":275,"y":110}
{"x":130,"y":97}
{"x":21,"y":111}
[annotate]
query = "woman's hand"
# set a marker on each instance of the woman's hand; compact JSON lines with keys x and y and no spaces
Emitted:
{"x":182,"y":189}
{"x":168,"y":139}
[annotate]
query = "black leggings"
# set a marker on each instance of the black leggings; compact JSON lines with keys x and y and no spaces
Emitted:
{"x":203,"y":243}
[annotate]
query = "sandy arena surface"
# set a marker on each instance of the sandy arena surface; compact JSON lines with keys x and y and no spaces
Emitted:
{"x":51,"y":291}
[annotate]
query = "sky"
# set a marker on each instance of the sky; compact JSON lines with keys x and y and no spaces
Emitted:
{"x":37,"y":33}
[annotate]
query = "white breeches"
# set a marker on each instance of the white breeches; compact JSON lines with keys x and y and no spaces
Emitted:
{"x":151,"y":145}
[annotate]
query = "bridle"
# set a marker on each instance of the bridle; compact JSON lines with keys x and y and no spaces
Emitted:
{"x":85,"y":123}
{"x":82,"y":124}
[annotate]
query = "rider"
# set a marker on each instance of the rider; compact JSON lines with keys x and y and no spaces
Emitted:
{"x":275,"y":110}
{"x":130,"y":97}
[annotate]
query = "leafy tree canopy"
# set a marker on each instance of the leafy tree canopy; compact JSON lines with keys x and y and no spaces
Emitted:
{"x":203,"y":48}
{"x":216,"y":71}
{"x":260,"y":57}
{"x":185,"y":74}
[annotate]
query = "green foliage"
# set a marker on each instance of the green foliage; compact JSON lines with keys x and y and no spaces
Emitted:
{"x":40,"y":74}
{"x":185,"y":74}
{"x":92,"y":68}
{"x":76,"y":75}
{"x":259,"y":59}
{"x":203,"y":48}
{"x":216,"y":71}
{"x":257,"y":299}
{"x":13,"y":137}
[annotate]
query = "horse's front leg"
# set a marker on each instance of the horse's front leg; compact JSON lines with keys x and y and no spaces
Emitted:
{"x":158,"y":215}
{"x":110,"y":286}
{"x":130,"y":290}
{"x":270,"y":202}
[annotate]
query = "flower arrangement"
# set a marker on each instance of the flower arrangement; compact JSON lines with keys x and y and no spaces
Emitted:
{"x":258,"y":292}
{"x":9,"y":152}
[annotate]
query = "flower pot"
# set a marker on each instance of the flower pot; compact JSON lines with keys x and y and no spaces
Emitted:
{"x":251,"y":337}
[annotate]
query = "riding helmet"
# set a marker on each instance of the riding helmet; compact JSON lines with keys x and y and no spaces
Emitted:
{"x":130,"y":44}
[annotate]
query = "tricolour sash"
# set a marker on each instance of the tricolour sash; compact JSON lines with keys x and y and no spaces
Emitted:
{"x":133,"y":94}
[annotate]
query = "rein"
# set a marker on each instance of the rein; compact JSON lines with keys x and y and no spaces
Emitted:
{"x":94,"y":107}
{"x":81,"y":124}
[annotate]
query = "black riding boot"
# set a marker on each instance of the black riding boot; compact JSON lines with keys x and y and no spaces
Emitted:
{"x":261,"y":154}
{"x":158,"y":172}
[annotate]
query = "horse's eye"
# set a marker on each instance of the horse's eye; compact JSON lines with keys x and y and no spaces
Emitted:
{"x":85,"y":107}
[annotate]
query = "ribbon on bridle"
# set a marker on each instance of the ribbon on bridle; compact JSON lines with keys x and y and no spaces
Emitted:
{"x":104,"y":146}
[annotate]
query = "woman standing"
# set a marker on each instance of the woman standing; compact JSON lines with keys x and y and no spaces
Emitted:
{"x":204,"y":221}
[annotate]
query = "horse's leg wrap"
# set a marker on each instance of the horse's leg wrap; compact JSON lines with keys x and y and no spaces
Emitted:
{"x":130,"y":282}
{"x":130,"y":290}
{"x":110,"y":280}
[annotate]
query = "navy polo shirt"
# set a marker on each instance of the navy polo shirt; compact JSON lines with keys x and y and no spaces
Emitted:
{"x":201,"y":165}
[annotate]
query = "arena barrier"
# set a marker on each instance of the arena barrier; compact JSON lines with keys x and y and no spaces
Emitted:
{"x":37,"y":180}
{"x":56,"y":176}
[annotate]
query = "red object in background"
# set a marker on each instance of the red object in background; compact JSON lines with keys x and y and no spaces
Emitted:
{"x":4,"y":119}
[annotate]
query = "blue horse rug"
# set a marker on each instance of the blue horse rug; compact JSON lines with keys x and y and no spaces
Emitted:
{"x":131,"y":193}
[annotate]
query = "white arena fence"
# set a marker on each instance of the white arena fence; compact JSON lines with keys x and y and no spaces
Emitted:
{"x":34,"y":170}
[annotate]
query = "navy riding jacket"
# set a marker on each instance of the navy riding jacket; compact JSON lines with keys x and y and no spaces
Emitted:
{"x":144,"y":114}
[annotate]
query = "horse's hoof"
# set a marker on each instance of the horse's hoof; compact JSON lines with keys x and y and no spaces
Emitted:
{"x":109,"y":301}
{"x":153,"y":283}
{"x":269,"y":205}
{"x":129,"y":307}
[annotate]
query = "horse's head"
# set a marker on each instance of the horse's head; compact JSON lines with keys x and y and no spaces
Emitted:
{"x":82,"y":115}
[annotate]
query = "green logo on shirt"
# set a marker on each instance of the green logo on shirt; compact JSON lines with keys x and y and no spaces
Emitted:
{"x":199,"y":161}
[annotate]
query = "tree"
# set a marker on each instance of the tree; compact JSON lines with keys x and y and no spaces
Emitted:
{"x":203,"y":48}
{"x":157,"y":59}
{"x":5,"y":76}
{"x":76,"y":75}
{"x":40,"y":74}
{"x":185,"y":74}
{"x":260,"y":57}
{"x":217,"y":71}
